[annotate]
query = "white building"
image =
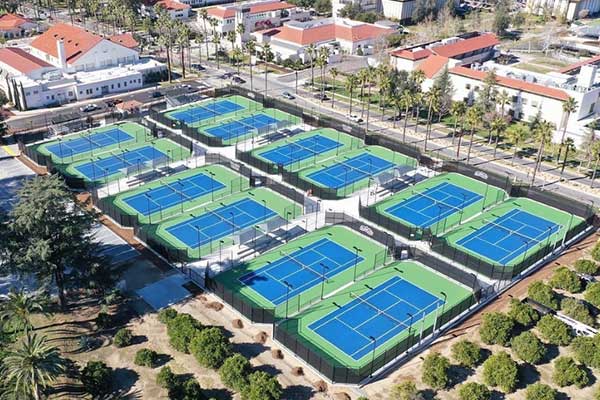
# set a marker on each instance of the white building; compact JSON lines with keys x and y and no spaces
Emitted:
{"x":176,"y":9}
{"x":15,"y":26}
{"x":400,"y":10}
{"x":570,"y":9}
{"x":340,"y":35}
{"x":254,"y":16}
{"x":67,"y":63}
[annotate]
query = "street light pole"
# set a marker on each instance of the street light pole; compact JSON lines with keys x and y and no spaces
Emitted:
{"x":324,"y":267}
{"x":287,"y":297}
{"x":373,"y":354}
{"x":356,"y":260}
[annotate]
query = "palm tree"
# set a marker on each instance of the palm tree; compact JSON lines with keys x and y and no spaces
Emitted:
{"x":164,"y":41}
{"x":311,"y":50}
{"x":322,"y":60}
{"x":516,"y":134}
{"x":569,"y":146}
{"x":334,"y":74}
{"x":502,"y":99}
{"x":498,"y":125}
{"x":216,"y":40}
{"x":251,"y":50}
{"x":32,"y":367}
{"x":240,"y":29}
{"x":363,"y":79}
{"x":351,"y":82}
{"x":398,"y":104}
{"x":237,"y":56}
{"x":182,"y":40}
{"x":417,"y":101}
{"x":200,"y":37}
{"x":433,"y":100}
{"x":204,"y":16}
{"x":16,"y":311}
{"x":407,"y":99}
{"x":595,"y":154}
{"x":267,"y":57}
{"x":231,"y":36}
{"x":457,"y":109}
{"x":568,"y":107}
{"x":473,"y":117}
{"x":385,"y":86}
{"x":543,"y":132}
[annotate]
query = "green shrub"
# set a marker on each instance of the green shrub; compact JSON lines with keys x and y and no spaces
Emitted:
{"x":577,"y":310}
{"x":406,"y":390}
{"x":262,"y":386}
{"x":210,"y":347}
{"x":192,"y":390}
{"x":592,"y":293}
{"x":499,"y":370}
{"x":528,"y":347}
{"x":234,"y":372}
{"x":146,"y":358}
{"x":435,"y":371}
{"x":522,"y":313}
{"x":166,"y":314}
{"x":181,"y":330}
{"x":123,"y":338}
{"x":543,"y":294}
{"x":539,"y":391}
{"x":587,"y":350}
{"x":567,"y":372}
{"x":566,"y":279}
{"x":596,"y":252}
{"x":466,"y":353}
{"x":166,"y":378}
{"x":474,"y":391}
{"x":496,"y":328}
{"x":554,"y":331}
{"x":586,"y":267}
{"x":104,"y":320}
{"x":96,"y":378}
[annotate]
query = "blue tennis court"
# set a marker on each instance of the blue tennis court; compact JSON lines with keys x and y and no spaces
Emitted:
{"x":224,"y":221}
{"x":301,"y":269}
{"x":370,"y":320}
{"x":354,"y":169}
{"x":509,"y":236}
{"x":173,"y":193}
{"x":87,"y":143}
{"x":241,"y":127}
{"x":434,"y":204}
{"x":108,"y":166}
{"x":300,"y":150}
{"x":203,"y":111}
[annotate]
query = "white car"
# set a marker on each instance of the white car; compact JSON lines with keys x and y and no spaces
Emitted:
{"x":89,"y":107}
{"x":355,"y":118}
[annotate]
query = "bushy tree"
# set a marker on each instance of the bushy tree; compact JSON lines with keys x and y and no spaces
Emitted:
{"x":96,"y":378}
{"x":262,"y":386}
{"x":565,"y":279}
{"x":567,"y":372}
{"x":210,"y":347}
{"x":181,"y":330}
{"x":499,"y":370}
{"x":166,"y":314}
{"x":522,"y":313}
{"x":466,"y":353}
{"x":123,"y":338}
{"x":584,"y":266}
{"x":166,"y":378}
{"x":540,"y":391}
{"x":543,"y":294}
{"x":435,"y":371}
{"x":406,"y":390}
{"x":592,"y":293}
{"x":146,"y":358}
{"x":528,"y":347}
{"x":587,"y":350}
{"x":596,"y":252}
{"x":496,"y":328}
{"x":192,"y":390}
{"x":577,"y":310}
{"x":474,"y":391}
{"x":234,"y":372}
{"x":554,"y":331}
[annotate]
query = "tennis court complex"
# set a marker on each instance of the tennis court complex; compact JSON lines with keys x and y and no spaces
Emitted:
{"x":111,"y":165}
{"x":354,"y":170}
{"x":306,"y":149}
{"x":507,"y":233}
{"x":440,"y":202}
{"x":94,"y":141}
{"x":156,"y":200}
{"x":199,"y":230}
{"x":211,"y":110}
{"x":300,"y":271}
{"x":391,"y":307}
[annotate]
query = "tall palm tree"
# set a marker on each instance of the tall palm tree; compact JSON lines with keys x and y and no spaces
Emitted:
{"x":363,"y":79}
{"x":165,"y":42}
{"x":457,"y":110}
{"x":371,"y":75}
{"x":334,"y":72}
{"x":231,"y":36}
{"x":182,"y":40}
{"x":32,"y":367}
{"x":322,"y":59}
{"x":516,"y":134}
{"x":385,"y":86}
{"x":240,"y":29}
{"x":433,"y":98}
{"x":595,"y":154}
{"x":200,"y":37}
{"x":351,"y":82}
{"x":498,"y":125}
{"x":267,"y":57}
{"x":237,"y":56}
{"x":311,"y":50}
{"x":216,"y":41}
{"x":503,"y":99}
{"x":204,"y":16}
{"x":569,"y":106}
{"x":407,"y":102}
{"x":417,"y":101}
{"x":474,"y":114}
{"x":398,"y":104}
{"x":543,"y":133}
{"x":17,"y":310}
{"x":250,"y":47}
{"x":569,"y":146}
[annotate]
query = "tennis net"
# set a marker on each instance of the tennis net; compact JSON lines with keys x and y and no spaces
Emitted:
{"x":233,"y":225}
{"x":178,"y":191}
{"x":439,"y":202}
{"x":528,"y":239}
{"x":378,"y":310}
{"x":301,"y":264}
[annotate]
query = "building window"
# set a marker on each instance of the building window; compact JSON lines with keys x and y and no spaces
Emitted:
{"x":524,"y":101}
{"x":534,"y":104}
{"x":70,"y":93}
{"x":468,"y":86}
{"x":592,"y":106}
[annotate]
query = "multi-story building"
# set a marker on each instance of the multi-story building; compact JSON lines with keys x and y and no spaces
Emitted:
{"x":15,"y":26}
{"x":341,"y":35}
{"x":254,"y":16}
{"x":176,"y":9}
{"x":569,"y":9}
{"x":397,"y":9}
{"x":67,"y":63}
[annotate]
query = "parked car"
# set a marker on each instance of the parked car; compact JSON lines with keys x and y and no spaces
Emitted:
{"x":157,"y":94}
{"x":355,"y":118}
{"x":288,"y":95}
{"x":322,"y":97}
{"x":227,"y":75}
{"x":198,"y":67}
{"x":89,"y":108}
{"x":238,"y":80}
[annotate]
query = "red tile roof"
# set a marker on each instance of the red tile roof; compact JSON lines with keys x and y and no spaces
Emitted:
{"x":513,"y":83}
{"x":222,"y":12}
{"x":172,"y":5}
{"x":466,"y":45}
{"x":331,"y":31}
{"x":575,"y":67}
{"x":12,"y":21}
{"x":124,"y":39}
{"x":432,"y":65}
{"x":21,"y":60}
{"x":411,"y":54}
{"x":77,"y":41}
